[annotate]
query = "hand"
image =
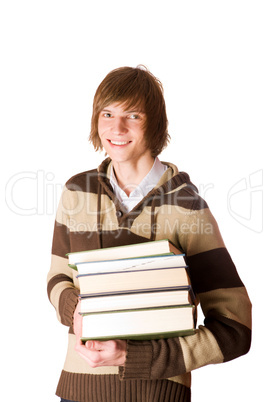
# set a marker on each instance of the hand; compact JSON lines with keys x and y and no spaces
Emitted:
{"x":96,"y":353}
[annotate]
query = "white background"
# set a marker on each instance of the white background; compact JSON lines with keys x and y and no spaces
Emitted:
{"x":211,"y":57}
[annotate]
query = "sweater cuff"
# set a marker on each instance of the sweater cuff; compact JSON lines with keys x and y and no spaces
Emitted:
{"x":68,"y":303}
{"x":138,"y":361}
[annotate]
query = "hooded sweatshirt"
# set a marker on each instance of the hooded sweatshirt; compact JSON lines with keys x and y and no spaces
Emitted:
{"x":90,"y":216}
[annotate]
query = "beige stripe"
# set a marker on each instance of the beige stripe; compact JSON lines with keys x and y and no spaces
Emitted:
{"x":63,"y":207}
{"x":168,"y":174}
{"x":78,"y":211}
{"x":231,"y":303}
{"x":177,"y":188}
{"x":184,"y":379}
{"x":197,"y":230}
{"x":59,"y":265}
{"x":200,"y":349}
{"x":74,"y":363}
{"x":200,"y":232}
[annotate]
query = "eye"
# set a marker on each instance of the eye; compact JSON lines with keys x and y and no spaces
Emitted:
{"x":107,"y":114}
{"x":134,"y":116}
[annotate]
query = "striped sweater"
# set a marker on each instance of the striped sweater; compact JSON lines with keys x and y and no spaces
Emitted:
{"x":89,"y":216}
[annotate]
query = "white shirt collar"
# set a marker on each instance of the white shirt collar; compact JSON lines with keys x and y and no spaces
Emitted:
{"x":145,"y":186}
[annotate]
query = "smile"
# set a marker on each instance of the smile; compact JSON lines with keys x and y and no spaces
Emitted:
{"x":119,"y":142}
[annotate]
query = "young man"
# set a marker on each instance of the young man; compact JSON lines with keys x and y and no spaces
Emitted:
{"x":132,"y":197}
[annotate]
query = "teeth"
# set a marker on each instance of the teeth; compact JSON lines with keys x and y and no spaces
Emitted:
{"x":119,"y":142}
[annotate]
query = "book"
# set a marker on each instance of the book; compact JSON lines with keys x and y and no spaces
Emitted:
{"x":137,"y":291}
{"x":150,"y":248}
{"x":139,"y":324}
{"x":125,"y":264}
{"x":133,"y":281}
{"x":146,"y":299}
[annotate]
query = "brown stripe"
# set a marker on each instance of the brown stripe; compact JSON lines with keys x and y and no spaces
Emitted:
{"x":81,"y":241}
{"x":108,"y":388}
{"x":55,"y":280}
{"x":60,"y":244}
{"x":178,"y":180}
{"x":212,"y":270}
{"x":185,"y":196}
{"x":167,"y":358}
{"x":87,"y":182}
{"x":233,"y":338}
{"x":182,"y":198}
{"x":67,"y":304}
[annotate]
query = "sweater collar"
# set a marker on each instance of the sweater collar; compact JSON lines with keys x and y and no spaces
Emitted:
{"x":170,"y":181}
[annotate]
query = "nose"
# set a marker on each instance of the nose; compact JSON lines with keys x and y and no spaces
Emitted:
{"x":119,"y":126}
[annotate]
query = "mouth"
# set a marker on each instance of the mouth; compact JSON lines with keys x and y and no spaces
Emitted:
{"x":119,"y":142}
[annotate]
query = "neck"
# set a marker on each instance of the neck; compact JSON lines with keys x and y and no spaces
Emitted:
{"x":129,"y":175}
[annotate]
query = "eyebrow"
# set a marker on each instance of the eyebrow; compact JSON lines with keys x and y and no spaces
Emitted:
{"x":135,"y":111}
{"x":125,"y":111}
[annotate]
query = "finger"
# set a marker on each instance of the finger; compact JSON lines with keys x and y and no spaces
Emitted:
{"x":87,"y":359}
{"x":78,"y":324}
{"x":78,"y":342}
{"x":89,"y":344}
{"x":94,"y":357}
{"x":96,"y":345}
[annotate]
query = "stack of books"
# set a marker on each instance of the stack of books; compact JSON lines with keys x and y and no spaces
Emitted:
{"x":140,"y":291}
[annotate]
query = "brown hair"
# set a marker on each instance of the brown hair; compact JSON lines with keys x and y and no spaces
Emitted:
{"x":133,"y":87}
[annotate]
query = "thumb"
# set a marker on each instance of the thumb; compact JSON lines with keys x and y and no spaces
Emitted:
{"x":94,"y":345}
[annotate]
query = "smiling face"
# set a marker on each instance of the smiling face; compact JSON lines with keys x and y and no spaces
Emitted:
{"x":133,"y":86}
{"x":122,"y":134}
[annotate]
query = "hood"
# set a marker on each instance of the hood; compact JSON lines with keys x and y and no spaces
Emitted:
{"x":171,"y":182}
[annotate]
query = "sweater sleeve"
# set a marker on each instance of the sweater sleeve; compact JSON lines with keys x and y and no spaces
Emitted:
{"x":226,"y":333}
{"x":62,"y":291}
